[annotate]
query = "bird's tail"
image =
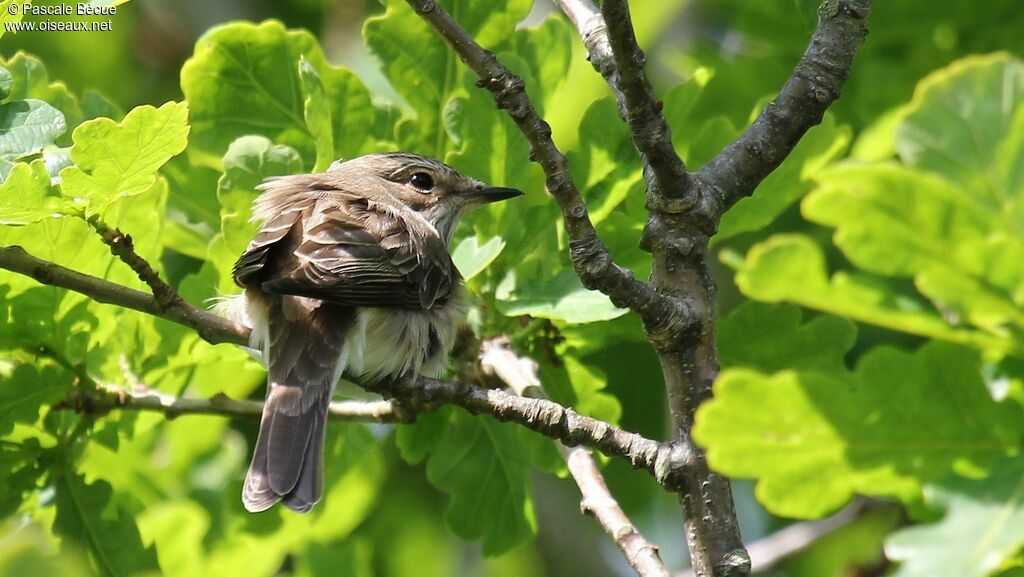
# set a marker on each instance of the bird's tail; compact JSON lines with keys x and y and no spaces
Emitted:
{"x":305,"y":354}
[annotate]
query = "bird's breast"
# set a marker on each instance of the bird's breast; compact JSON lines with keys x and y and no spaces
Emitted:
{"x":389,"y":343}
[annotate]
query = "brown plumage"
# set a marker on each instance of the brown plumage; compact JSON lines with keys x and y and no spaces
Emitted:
{"x":351,"y":272}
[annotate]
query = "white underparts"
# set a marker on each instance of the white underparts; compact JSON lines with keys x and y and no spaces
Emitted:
{"x":397,"y":342}
{"x":384,"y":344}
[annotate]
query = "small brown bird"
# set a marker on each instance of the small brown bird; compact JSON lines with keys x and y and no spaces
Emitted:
{"x":351,"y":273}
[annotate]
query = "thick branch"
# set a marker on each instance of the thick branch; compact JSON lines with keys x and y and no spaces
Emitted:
{"x":664,"y":460}
{"x":106,"y":398}
{"x":520,"y":374}
{"x":768,"y":552}
{"x":677,"y":238}
{"x":590,"y":257}
{"x":801,"y":104}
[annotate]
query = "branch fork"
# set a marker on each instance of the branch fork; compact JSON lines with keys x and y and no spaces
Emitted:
{"x":677,"y":306}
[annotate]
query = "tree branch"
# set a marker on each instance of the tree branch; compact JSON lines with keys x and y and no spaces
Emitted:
{"x":678,"y":239}
{"x":122,"y":247}
{"x":597,"y":500}
{"x":668,"y":182}
{"x":614,"y":53}
{"x":676,"y":234}
{"x":664,"y":460}
{"x":519,"y":373}
{"x":210,"y":327}
{"x":810,"y":90}
{"x":590,"y":257}
{"x":768,"y":552}
{"x":107,"y":398}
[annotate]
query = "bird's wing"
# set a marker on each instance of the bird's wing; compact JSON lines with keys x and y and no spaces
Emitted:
{"x":349,"y":252}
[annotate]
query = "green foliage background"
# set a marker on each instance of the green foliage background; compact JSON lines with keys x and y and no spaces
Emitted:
{"x":872,"y":290}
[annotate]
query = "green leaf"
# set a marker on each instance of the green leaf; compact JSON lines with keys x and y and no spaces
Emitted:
{"x":5,"y":17}
{"x":489,"y":147}
{"x":484,"y":470}
{"x":6,"y":79}
{"x":24,"y":197}
{"x":471,"y":257}
{"x":112,"y":541}
{"x":792,"y":268}
{"x":957,"y":120}
{"x":815,"y":438}
{"x":416,"y":441}
{"x":960,"y":254}
{"x":71,"y":324}
{"x":193,"y":200}
{"x":96,"y":105}
{"x":117,"y":160}
{"x":30,"y":80}
{"x":982,"y":529}
{"x":26,"y":550}
{"x":20,"y":471}
{"x":561,"y":297}
{"x":244,"y":79}
{"x":351,"y":558}
{"x":771,"y":338}
{"x":27,"y":390}
{"x":808,"y":9}
{"x":353,"y":481}
{"x":424,"y":70}
{"x":28,"y":126}
{"x":317,"y":112}
{"x":177,"y":529}
{"x":46,"y":318}
{"x":605,"y":163}
{"x":588,"y":385}
{"x":546,"y":50}
{"x":949,"y":219}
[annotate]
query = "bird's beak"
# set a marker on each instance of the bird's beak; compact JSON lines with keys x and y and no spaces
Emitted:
{"x":486,"y":194}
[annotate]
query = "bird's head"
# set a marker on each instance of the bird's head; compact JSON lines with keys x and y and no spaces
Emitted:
{"x":433,"y":189}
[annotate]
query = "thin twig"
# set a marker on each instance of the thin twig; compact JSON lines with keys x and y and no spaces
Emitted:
{"x":597,"y":500}
{"x":210,"y":327}
{"x":520,"y":374}
{"x":590,"y":257}
{"x":664,"y":460}
{"x":122,"y":247}
{"x":107,"y":397}
{"x":810,"y":90}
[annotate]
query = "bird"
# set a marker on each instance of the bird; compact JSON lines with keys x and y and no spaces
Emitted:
{"x":350,"y":273}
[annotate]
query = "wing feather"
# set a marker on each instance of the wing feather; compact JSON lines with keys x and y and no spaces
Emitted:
{"x":345,"y":250}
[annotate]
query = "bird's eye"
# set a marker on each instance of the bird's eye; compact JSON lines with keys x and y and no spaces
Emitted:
{"x":422,"y":181}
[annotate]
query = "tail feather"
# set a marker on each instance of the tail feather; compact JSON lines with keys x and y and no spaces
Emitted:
{"x":310,"y":485}
{"x":256,"y":493}
{"x":304,"y":358}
